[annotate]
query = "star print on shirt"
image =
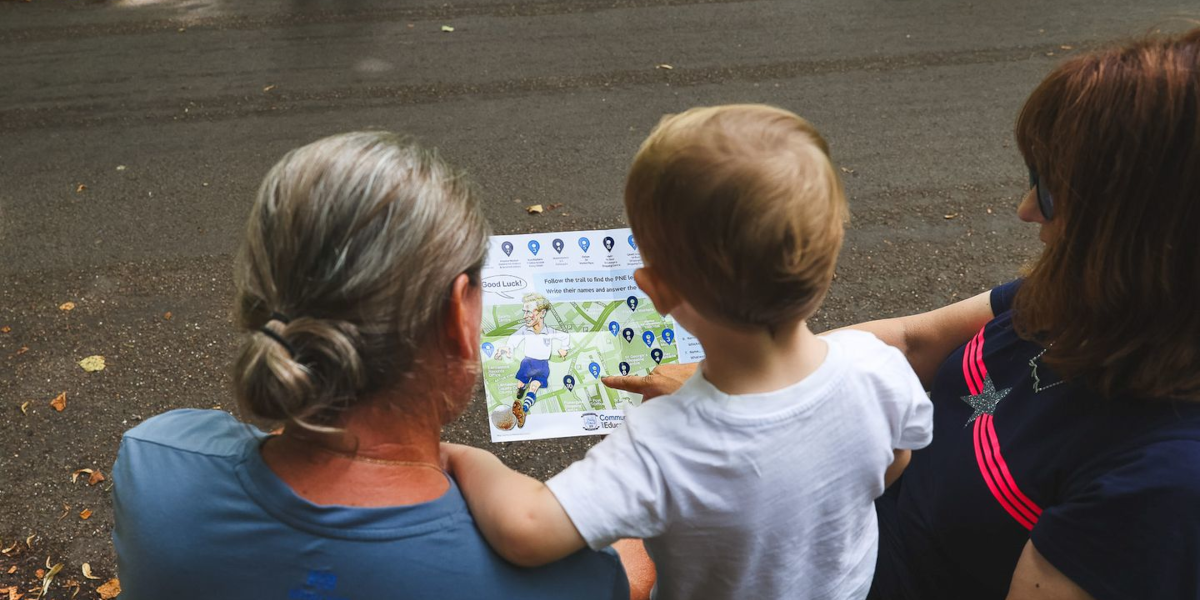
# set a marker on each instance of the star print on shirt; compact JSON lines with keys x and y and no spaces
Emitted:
{"x":986,"y":400}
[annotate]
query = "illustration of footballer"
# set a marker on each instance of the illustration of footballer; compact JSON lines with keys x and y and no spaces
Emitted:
{"x":538,"y":337}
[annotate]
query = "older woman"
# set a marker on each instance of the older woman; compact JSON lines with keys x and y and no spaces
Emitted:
{"x":358,"y":289}
{"x":1066,"y":453}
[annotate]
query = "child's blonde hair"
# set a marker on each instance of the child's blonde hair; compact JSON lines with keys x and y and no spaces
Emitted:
{"x":739,"y":209}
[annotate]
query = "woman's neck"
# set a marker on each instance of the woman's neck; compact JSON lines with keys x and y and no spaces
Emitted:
{"x":383,"y":454}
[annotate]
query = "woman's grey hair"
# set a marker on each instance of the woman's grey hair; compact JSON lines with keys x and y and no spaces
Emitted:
{"x":352,"y":247}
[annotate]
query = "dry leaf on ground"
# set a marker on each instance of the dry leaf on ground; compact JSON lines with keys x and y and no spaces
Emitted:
{"x":92,"y":364}
{"x":86,"y":514}
{"x":29,"y":540}
{"x":5,"y":329}
{"x":268,"y":88}
{"x":665,"y":67}
{"x":12,"y":569}
{"x":535,"y":209}
{"x":80,"y":188}
{"x":447,"y":28}
{"x":96,"y":477}
{"x":555,"y":206}
{"x":109,"y":590}
{"x":10,"y":548}
{"x":87,"y":571}
{"x":950,"y":216}
{"x":167,"y":316}
{"x":22,"y":350}
{"x":25,"y":408}
{"x":78,"y":472}
{"x":12,"y":592}
{"x":120,"y":167}
{"x":50,"y":577}
{"x":59,"y":403}
{"x":66,"y":306}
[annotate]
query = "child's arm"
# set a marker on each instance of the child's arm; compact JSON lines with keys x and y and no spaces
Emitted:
{"x":518,"y":515}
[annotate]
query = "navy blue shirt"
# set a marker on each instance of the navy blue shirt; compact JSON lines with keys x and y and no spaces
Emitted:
{"x":1108,"y":490}
{"x":200,"y":515}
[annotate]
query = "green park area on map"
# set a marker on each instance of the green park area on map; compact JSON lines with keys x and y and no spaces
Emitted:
{"x":587,"y":324}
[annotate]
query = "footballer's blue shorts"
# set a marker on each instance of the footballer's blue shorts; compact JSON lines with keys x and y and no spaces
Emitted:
{"x":533,"y":369}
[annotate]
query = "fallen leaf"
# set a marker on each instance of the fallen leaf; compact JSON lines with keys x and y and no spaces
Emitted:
{"x":96,"y":477}
{"x":29,"y":540}
{"x":555,"y":206}
{"x":59,"y":403}
{"x":39,"y":573}
{"x":10,"y":548}
{"x":76,"y":474}
{"x":182,"y":29}
{"x":447,"y":28}
{"x":80,"y":188}
{"x":5,"y":329}
{"x":66,"y":511}
{"x":1049,"y":54}
{"x":25,"y":408}
{"x":535,"y":209}
{"x":120,"y":167}
{"x":71,"y":583}
{"x":950,"y":216}
{"x":92,"y":364}
{"x":109,"y":590}
{"x":167,"y":316}
{"x":86,"y":514}
{"x":1067,"y":47}
{"x":989,"y":211}
{"x":848,"y":170}
{"x":22,"y":350}
{"x":87,"y":571}
{"x":49,"y":577}
{"x":13,"y":594}
{"x":12,"y":569}
{"x":268,"y":88}
{"x":67,"y":306}
{"x":665,"y":67}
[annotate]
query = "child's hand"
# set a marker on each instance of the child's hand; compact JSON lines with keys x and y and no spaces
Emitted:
{"x":663,"y":380}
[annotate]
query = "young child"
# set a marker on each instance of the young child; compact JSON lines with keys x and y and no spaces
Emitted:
{"x":757,"y":478}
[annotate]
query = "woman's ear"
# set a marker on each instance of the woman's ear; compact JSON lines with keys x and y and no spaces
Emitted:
{"x":464,"y":318}
{"x":663,"y":296}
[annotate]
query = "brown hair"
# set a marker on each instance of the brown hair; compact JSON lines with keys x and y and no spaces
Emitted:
{"x":355,"y":239}
{"x":739,"y":209}
{"x":1115,"y":135}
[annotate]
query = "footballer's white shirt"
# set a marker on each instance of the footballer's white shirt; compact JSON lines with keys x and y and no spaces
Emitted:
{"x":761,"y":495}
{"x":538,"y":345}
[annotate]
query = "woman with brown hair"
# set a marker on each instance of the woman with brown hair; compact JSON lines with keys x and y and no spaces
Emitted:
{"x":1065,"y":461}
{"x":359,"y":297}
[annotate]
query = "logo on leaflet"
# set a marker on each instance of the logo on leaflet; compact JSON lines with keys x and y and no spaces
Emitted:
{"x":591,"y":421}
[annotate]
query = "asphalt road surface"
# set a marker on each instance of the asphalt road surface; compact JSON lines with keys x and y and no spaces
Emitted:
{"x":133,"y":134}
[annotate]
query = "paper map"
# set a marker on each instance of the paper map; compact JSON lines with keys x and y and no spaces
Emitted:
{"x":561,"y":310}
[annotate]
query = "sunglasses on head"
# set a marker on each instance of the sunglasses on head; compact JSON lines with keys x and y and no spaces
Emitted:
{"x":1045,"y":202}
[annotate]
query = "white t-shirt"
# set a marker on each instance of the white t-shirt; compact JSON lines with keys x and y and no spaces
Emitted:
{"x":759,"y":495}
{"x":538,"y":345}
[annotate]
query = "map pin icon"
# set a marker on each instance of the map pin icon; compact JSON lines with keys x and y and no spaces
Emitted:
{"x":628,"y":334}
{"x":614,"y":328}
{"x":584,"y":243}
{"x":534,"y":246}
{"x":656,"y":354}
{"x":595,"y":369}
{"x":668,"y":335}
{"x":507,"y":248}
{"x":609,"y":243}
{"x":558,"y":245}
{"x":569,"y":382}
{"x":648,"y":337}
{"x":632,"y":302}
{"x":632,"y":243}
{"x":624,"y":367}
{"x":488,"y":348}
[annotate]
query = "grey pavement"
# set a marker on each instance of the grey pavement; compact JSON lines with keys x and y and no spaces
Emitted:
{"x":169,"y":113}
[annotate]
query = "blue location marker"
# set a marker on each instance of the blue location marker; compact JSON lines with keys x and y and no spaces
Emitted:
{"x":668,"y":335}
{"x":614,"y":328}
{"x":534,"y":246}
{"x":507,"y":248}
{"x":624,"y":367}
{"x":632,"y":243}
{"x":632,"y":302}
{"x":558,"y":245}
{"x":648,"y":337}
{"x":609,"y":243}
{"x":584,"y":243}
{"x":627,"y":334}
{"x":488,"y":348}
{"x":656,"y":354}
{"x":569,"y":382}
{"x":595,"y":369}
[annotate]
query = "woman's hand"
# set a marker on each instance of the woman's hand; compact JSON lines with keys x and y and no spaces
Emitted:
{"x":663,"y":380}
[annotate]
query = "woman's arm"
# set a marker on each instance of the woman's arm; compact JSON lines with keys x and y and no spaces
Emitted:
{"x":1037,"y":579}
{"x":926,"y":339}
{"x":518,"y":515}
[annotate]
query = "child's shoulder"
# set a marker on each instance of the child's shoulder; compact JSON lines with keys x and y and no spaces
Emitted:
{"x":862,"y":351}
